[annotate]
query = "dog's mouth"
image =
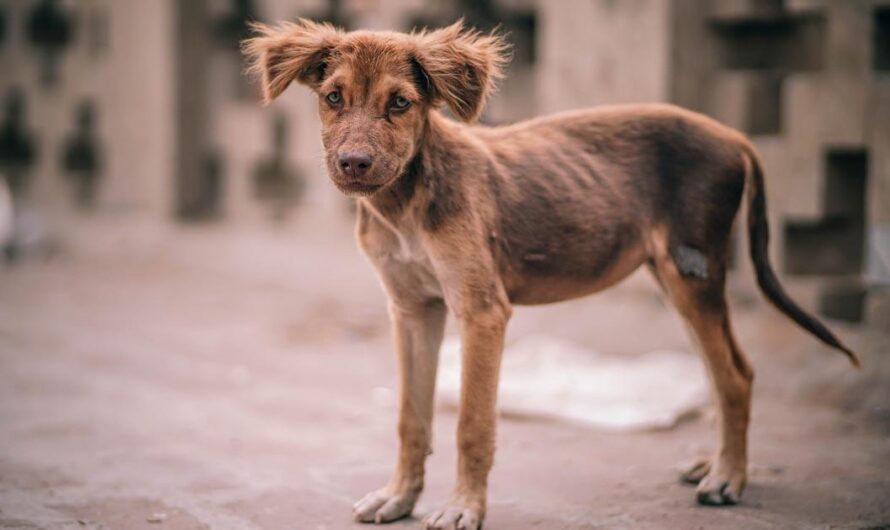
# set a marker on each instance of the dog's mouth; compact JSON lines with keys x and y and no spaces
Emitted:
{"x":355,"y":188}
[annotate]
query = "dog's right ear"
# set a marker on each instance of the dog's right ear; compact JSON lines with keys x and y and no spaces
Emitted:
{"x":290,"y":52}
{"x":460,"y":65}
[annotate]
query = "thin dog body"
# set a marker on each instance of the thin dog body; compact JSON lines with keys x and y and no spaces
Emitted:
{"x":475,"y":219}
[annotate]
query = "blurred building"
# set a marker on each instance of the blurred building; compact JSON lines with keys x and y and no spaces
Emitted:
{"x":139,"y":108}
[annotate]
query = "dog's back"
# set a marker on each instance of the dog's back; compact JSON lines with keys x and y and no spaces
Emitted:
{"x":580,"y":194}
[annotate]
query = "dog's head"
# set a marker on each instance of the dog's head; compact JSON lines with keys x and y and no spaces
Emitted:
{"x":375,"y":89}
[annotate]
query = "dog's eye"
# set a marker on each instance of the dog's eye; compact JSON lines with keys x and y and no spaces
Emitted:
{"x":400,"y":102}
{"x":334,"y":98}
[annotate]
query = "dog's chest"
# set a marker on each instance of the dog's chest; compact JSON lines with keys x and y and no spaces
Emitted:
{"x":396,"y":251}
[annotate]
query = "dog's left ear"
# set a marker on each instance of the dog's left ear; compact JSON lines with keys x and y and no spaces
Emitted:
{"x":290,"y":52}
{"x":461,"y":66}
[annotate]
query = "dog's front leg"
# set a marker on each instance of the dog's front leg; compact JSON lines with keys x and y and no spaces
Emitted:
{"x":417,"y":333}
{"x":482,"y":334}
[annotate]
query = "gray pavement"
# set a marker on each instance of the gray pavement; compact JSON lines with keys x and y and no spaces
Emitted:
{"x":211,"y":377}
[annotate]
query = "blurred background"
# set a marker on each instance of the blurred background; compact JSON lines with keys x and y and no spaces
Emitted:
{"x":189,"y":338}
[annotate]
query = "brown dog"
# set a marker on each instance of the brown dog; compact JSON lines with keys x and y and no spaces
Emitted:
{"x":477,"y":219}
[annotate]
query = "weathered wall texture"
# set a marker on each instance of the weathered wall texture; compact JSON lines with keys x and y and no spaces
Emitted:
{"x":120,"y":61}
{"x":182,"y":136}
{"x":594,"y":53}
{"x":809,"y":81}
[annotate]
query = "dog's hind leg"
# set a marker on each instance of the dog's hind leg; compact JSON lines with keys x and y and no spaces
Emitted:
{"x":694,"y":283}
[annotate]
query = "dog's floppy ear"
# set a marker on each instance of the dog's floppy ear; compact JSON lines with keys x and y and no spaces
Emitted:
{"x":290,"y":52}
{"x":461,"y":66}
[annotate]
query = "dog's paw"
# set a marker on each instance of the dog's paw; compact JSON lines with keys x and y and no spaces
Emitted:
{"x":722,"y":486}
{"x":719,"y":485}
{"x":693,"y":472}
{"x":382,"y":506}
{"x":458,"y":514}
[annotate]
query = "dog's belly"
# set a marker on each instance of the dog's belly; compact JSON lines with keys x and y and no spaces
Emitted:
{"x":543,"y":284}
{"x":556,"y":241}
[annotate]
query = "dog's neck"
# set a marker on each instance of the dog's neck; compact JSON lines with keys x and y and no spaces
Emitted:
{"x":425,"y":175}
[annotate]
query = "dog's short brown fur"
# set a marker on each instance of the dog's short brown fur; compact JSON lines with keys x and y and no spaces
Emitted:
{"x":475,"y":219}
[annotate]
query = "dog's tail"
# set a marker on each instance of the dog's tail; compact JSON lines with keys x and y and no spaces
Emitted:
{"x":758,"y":234}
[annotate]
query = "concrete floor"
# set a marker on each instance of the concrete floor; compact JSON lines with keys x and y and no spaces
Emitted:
{"x":219,"y":378}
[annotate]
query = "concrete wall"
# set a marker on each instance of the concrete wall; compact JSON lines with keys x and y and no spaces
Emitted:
{"x":801,"y":76}
{"x":801,"y":79}
{"x":599,"y":52}
{"x":129,"y":76}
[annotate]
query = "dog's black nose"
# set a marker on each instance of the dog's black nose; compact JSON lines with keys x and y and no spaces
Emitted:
{"x":354,"y":163}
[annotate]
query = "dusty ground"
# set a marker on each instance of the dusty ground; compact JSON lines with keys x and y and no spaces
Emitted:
{"x":220,"y":378}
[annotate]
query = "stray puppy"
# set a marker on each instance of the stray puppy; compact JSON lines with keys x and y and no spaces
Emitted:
{"x":476,"y":219}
